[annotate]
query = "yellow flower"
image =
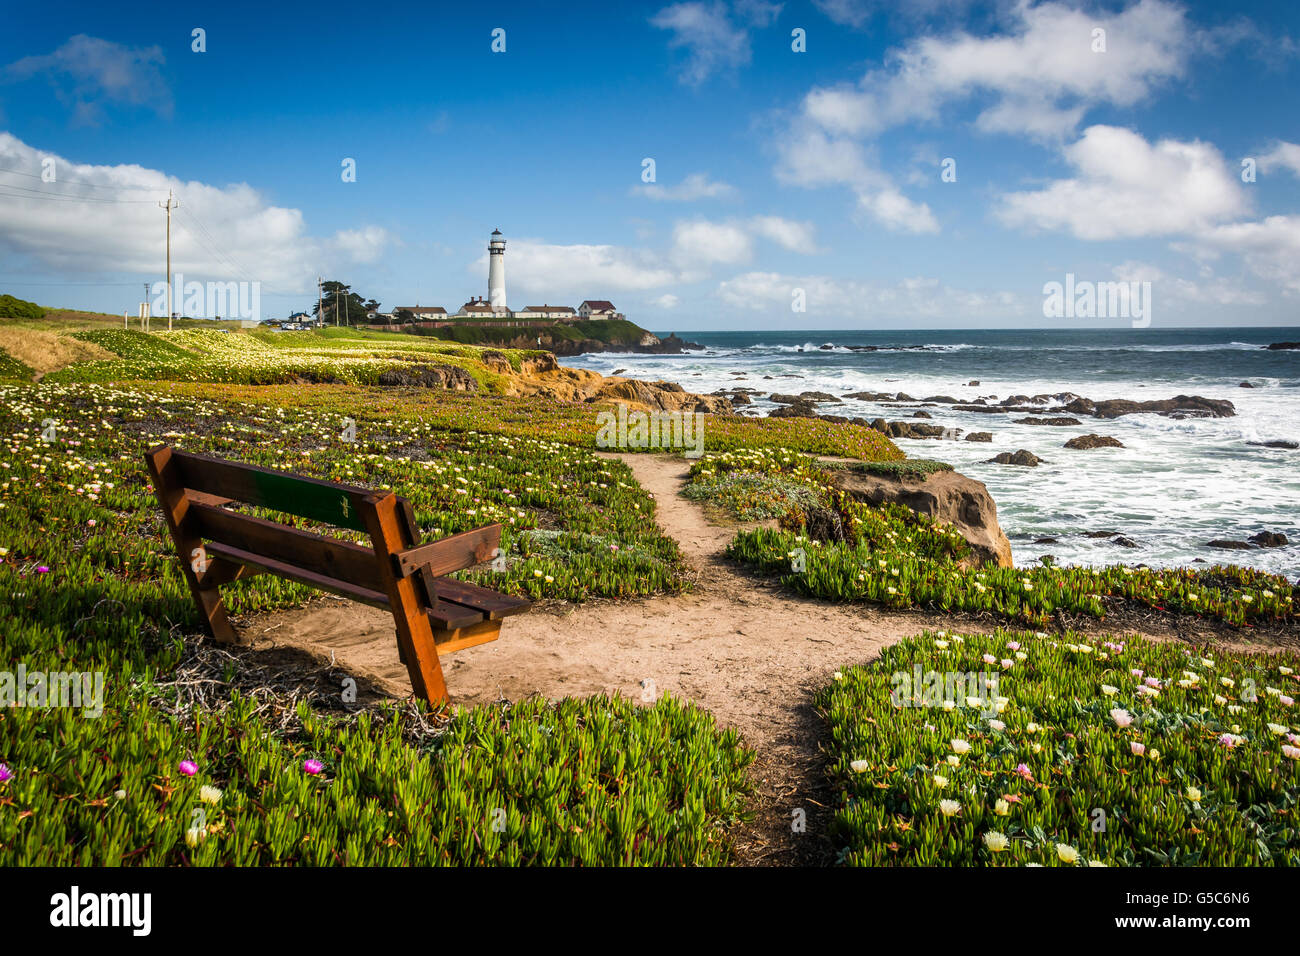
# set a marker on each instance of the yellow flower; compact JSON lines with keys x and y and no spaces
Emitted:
{"x":1001,"y":808}
{"x":960,"y":746}
{"x":940,"y":782}
{"x":194,"y":836}
{"x":1066,"y":853}
{"x":1193,"y":794}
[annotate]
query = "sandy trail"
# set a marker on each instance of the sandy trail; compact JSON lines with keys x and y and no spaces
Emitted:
{"x":750,"y":653}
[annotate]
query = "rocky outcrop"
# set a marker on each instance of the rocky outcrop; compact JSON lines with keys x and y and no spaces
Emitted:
{"x":1084,"y":442}
{"x":426,"y":375}
{"x":1279,"y":346}
{"x":1180,"y":406}
{"x":1269,"y":539}
{"x":1225,"y":545}
{"x":1276,"y":443}
{"x":980,"y":436}
{"x":1043,"y":420}
{"x":661,"y":396}
{"x":798,"y":408}
{"x":1024,"y":458}
{"x":653,"y":345}
{"x":946,"y":495}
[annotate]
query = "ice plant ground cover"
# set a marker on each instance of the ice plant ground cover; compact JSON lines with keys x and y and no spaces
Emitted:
{"x":1120,"y":753}
{"x":894,"y":557}
{"x":87,"y":577}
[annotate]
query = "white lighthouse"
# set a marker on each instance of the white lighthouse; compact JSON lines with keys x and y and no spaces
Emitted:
{"x":497,"y":272}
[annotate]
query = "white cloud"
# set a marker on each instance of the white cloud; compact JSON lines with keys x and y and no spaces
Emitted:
{"x":810,"y":158}
{"x":795,"y":236}
{"x":700,"y":243}
{"x":1282,"y":156}
{"x":1269,"y":248}
{"x":87,"y":73}
{"x":1041,"y":74}
{"x":694,"y":186}
{"x":577,"y":270}
{"x":668,"y":301}
{"x":829,"y":298}
{"x":105,"y":219}
{"x":715,"y":40}
{"x":1125,"y":187}
{"x":711,"y":40}
{"x":1170,"y":288}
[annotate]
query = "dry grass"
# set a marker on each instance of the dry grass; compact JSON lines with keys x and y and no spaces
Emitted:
{"x":47,"y":352}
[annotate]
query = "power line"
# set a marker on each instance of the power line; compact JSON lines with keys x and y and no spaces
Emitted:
{"x":82,"y":182}
{"x":26,"y":193}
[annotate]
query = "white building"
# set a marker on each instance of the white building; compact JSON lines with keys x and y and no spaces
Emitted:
{"x":497,"y":272}
{"x":598,"y":309}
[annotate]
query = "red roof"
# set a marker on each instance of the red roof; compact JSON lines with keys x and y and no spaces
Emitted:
{"x":600,"y":304}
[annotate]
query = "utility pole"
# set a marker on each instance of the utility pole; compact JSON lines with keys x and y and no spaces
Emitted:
{"x":169,"y":207}
{"x":320,"y":302}
{"x":143,"y":313}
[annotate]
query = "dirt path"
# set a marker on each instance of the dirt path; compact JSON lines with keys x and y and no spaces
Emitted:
{"x":751,"y":654}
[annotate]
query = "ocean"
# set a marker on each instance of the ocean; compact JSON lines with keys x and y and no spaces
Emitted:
{"x":1176,"y":485}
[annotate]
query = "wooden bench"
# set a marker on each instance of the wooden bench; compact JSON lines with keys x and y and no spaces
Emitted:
{"x":216,"y":546}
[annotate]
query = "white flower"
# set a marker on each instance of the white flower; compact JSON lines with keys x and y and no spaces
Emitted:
{"x":1121,"y":717}
{"x":1193,"y":794}
{"x":940,"y":782}
{"x":859,"y":766}
{"x":960,"y":746}
{"x":1066,"y":853}
{"x":209,"y":794}
{"x":194,"y":836}
{"x":995,"y":841}
{"x":949,"y":808}
{"x":1277,"y":729}
{"x":1001,"y":807}
{"x":997,"y":725}
{"x":1109,"y":690}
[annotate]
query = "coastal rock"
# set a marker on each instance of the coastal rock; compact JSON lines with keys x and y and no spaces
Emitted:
{"x":425,"y":375}
{"x":660,"y":396}
{"x":1226,"y":545}
{"x":1180,"y":406}
{"x":1024,"y":458}
{"x":799,"y":408}
{"x":1275,"y":443}
{"x":1245,"y":385}
{"x":870,"y":396}
{"x":973,"y":382}
{"x":1094,"y":441}
{"x":820,"y":397}
{"x":1059,"y":422}
{"x":672,"y":345}
{"x":1100,"y":534}
{"x":1124,"y":542}
{"x":1269,"y":539}
{"x":1278,"y":346}
{"x":980,"y":436}
{"x":941,"y":399}
{"x":920,"y":414}
{"x":946,"y":495}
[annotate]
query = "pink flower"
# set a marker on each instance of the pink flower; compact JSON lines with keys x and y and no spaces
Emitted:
{"x":91,"y":523}
{"x":189,"y":768}
{"x":1013,"y":645}
{"x":1152,"y":682}
{"x":1136,"y":748}
{"x":42,"y":569}
{"x":1024,"y":771}
{"x":1136,"y":672}
{"x":5,"y":773}
{"x":1285,"y":701}
{"x":312,"y":765}
{"x":1011,"y":797}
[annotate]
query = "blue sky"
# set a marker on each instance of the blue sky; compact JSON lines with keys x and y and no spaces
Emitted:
{"x":775,"y":171}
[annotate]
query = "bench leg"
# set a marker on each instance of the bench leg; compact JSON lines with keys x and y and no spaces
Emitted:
{"x":414,"y":634}
{"x":172,"y":500}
